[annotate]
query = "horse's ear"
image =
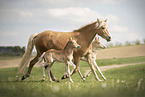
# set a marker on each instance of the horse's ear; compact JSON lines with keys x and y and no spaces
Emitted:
{"x":70,"y":39}
{"x":96,"y":38}
{"x":99,"y":22}
{"x":105,"y":20}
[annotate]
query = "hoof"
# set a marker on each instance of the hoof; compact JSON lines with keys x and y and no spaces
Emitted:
{"x":56,"y":80}
{"x":83,"y":79}
{"x":22,"y":78}
{"x":64,"y":77}
{"x":100,"y":80}
{"x":43,"y":79}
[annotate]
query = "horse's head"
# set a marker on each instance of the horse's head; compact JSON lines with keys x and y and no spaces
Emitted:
{"x":74,"y":43}
{"x":101,"y":29}
{"x":97,"y":44}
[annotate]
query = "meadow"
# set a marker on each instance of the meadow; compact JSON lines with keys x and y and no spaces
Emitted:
{"x":128,"y":81}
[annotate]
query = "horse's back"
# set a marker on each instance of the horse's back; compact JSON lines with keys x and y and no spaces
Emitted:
{"x":51,"y":40}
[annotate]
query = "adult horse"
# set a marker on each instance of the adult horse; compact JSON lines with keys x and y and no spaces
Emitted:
{"x":57,"y":40}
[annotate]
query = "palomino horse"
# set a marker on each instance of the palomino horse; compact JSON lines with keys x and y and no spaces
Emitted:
{"x":90,"y":57}
{"x":65,"y":55}
{"x":57,"y":40}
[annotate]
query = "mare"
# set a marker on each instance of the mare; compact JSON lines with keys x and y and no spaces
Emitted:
{"x":57,"y":40}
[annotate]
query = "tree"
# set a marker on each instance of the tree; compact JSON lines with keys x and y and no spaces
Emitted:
{"x":127,"y":43}
{"x":118,"y":44}
{"x":137,"y":42}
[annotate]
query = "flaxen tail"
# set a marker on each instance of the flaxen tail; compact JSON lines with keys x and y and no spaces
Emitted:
{"x":27,"y":55}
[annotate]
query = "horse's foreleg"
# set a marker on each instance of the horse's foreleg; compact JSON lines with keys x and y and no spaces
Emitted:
{"x":68,"y":70}
{"x":32,"y":63}
{"x":78,"y":70}
{"x":76,"y":62}
{"x":81,"y":74}
{"x":90,"y":62}
{"x":94,"y":62}
{"x":52,"y":76}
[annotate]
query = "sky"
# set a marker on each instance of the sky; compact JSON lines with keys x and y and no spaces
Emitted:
{"x":21,"y":18}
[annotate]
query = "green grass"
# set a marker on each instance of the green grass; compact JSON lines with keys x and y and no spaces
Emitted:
{"x":121,"y":82}
{"x":104,"y":62}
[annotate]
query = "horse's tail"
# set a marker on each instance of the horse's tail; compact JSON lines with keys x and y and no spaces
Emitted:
{"x":27,"y":55}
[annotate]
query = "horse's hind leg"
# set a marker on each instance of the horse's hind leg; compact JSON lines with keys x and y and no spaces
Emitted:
{"x":52,"y":76}
{"x":32,"y":63}
{"x":43,"y":73}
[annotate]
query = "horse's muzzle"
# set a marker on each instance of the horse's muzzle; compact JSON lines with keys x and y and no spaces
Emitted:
{"x":109,"y":38}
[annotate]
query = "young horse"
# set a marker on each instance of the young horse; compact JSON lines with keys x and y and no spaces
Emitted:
{"x":91,"y":57}
{"x":65,"y":55}
{"x":57,"y":40}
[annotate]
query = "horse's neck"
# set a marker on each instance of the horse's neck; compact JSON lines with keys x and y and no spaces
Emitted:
{"x":68,"y":50}
{"x":94,"y":48}
{"x":87,"y":36}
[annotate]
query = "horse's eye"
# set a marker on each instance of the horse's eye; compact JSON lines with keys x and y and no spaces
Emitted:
{"x":102,"y":27}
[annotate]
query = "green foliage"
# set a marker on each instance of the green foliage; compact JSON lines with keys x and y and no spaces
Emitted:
{"x":118,"y":44}
{"x":109,"y":45}
{"x":144,"y":40}
{"x":11,"y":51}
{"x":127,"y":43}
{"x":137,"y":42}
{"x":105,"y":62}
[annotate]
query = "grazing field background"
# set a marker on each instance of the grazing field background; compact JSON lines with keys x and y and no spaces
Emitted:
{"x":125,"y":75}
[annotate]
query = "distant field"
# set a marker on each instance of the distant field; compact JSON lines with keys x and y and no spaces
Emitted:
{"x":122,"y":52}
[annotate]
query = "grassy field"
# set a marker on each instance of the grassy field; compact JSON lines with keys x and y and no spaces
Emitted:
{"x":128,"y":81}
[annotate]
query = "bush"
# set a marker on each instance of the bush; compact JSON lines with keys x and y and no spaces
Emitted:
{"x":109,"y":45}
{"x":118,"y":44}
{"x":144,"y":41}
{"x":137,"y":42}
{"x":11,"y":51}
{"x":127,"y":43}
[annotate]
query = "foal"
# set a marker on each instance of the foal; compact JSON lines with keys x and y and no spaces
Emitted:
{"x":90,"y":57}
{"x":65,"y":55}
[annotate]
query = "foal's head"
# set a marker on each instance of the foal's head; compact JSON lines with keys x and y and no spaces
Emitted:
{"x":74,"y":44}
{"x":101,"y":29}
{"x":98,"y":44}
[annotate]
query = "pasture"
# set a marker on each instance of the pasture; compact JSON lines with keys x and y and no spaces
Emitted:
{"x":127,"y":81}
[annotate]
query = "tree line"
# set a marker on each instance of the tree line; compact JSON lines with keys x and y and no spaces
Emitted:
{"x":127,"y":43}
{"x":12,"y":50}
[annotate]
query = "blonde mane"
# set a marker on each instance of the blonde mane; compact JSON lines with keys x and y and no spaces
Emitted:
{"x":85,"y":27}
